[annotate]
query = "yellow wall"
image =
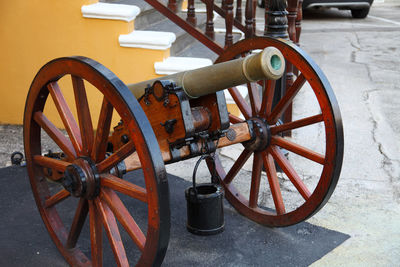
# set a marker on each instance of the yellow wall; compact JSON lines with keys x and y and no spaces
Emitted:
{"x":34,"y":32}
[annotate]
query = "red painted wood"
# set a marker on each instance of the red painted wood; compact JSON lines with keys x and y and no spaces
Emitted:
{"x":66,"y":116}
{"x":111,"y":229}
{"x":273,"y":181}
{"x":173,"y":5}
{"x":123,"y":187}
{"x":296,"y":124}
{"x":290,"y":172}
{"x":77,"y":223}
{"x":228,"y":22}
{"x":103,"y":131}
{"x":249,"y":30}
{"x":240,"y":102}
{"x":241,"y":160}
{"x":96,"y":235}
{"x":286,"y":100}
{"x":59,"y":138}
{"x":191,"y":13}
{"x":298,"y":149}
{"x":56,"y":198}
{"x":115,"y":158}
{"x":268,"y":98}
{"x":84,"y":117}
{"x":124,"y":217}
{"x":210,"y":19}
{"x":255,"y":180}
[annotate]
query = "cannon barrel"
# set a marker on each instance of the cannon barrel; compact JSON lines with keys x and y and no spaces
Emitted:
{"x":268,"y":64}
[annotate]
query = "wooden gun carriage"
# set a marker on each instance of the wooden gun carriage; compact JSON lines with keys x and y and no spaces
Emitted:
{"x":171,"y":119}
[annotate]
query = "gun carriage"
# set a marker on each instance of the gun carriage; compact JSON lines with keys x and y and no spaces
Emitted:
{"x":167,"y":120}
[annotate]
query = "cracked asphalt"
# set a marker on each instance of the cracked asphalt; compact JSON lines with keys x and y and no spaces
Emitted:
{"x":361,"y":59}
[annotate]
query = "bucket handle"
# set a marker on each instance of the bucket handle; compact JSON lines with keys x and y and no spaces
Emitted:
{"x":213,"y":174}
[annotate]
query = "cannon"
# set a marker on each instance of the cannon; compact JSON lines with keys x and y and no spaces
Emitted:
{"x":274,"y":179}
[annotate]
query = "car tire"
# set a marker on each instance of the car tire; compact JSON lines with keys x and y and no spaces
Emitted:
{"x":261,"y":3}
{"x":360,"y":13}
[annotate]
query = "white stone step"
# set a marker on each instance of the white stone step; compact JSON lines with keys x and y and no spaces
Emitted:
{"x":110,"y":11}
{"x":147,"y":39}
{"x":173,"y":65}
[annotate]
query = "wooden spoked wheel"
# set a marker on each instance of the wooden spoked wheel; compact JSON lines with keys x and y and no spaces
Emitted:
{"x":77,"y":191}
{"x":277,"y":180}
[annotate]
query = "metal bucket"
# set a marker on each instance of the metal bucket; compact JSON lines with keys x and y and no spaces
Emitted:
{"x":205,"y":212}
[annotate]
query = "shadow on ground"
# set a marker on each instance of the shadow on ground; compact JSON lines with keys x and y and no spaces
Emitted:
{"x":24,"y":240}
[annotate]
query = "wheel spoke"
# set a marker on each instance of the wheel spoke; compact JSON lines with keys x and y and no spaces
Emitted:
{"x":255,"y":180}
{"x":296,"y":124}
{"x":268,"y":98}
{"x":274,"y":183}
{"x":282,"y":105}
{"x":240,"y":102}
{"x":124,"y":217}
{"x":123,"y":187}
{"x":254,"y":98}
{"x":234,"y":119}
{"x":66,"y":116}
{"x":77,"y":223}
{"x":58,"y":137}
{"x":300,"y":150}
{"x":54,"y":164}
{"x":111,"y":228}
{"x":96,"y":235}
{"x":56,"y":198}
{"x":290,"y":172}
{"x":118,"y":156}
{"x":84,"y":118}
{"x":103,"y":130}
{"x":244,"y":156}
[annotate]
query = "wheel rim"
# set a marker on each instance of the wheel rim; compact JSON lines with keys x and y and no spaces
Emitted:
{"x":267,"y":154}
{"x":88,"y":177}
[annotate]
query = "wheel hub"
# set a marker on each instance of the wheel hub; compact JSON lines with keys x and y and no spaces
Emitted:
{"x":81,"y":179}
{"x":261,"y":134}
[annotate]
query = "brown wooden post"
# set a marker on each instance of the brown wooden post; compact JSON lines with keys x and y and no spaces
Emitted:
{"x":298,"y":21}
{"x":210,"y":19}
{"x":276,"y":23}
{"x":191,"y":13}
{"x":172,"y":4}
{"x":249,"y":19}
{"x":254,"y":14}
{"x":276,"y":26}
{"x":292,"y":15}
{"x":229,"y":22}
{"x":238,"y":15}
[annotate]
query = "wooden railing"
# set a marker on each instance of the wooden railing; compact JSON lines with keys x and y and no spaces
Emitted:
{"x":278,"y":22}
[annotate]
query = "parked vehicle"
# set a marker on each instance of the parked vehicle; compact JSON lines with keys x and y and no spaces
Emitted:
{"x":359,"y":8}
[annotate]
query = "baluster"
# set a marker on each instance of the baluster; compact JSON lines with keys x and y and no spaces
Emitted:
{"x":238,"y":15}
{"x":276,"y":27}
{"x":254,"y":14}
{"x":298,"y":21}
{"x":276,"y":24}
{"x":173,"y":6}
{"x":292,"y":15}
{"x":191,"y":13}
{"x":223,"y":6}
{"x":249,"y":19}
{"x":210,"y":19}
{"x":229,"y":22}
